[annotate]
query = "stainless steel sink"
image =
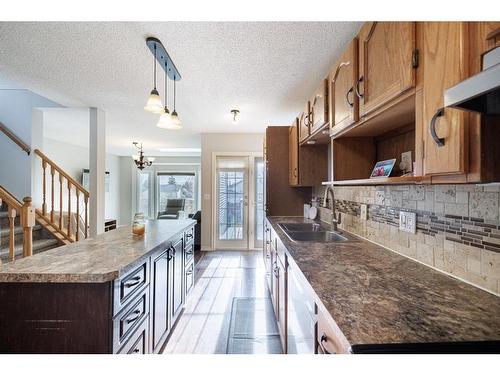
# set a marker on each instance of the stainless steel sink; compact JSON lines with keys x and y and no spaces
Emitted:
{"x":311,"y":232}
{"x":316,"y":236}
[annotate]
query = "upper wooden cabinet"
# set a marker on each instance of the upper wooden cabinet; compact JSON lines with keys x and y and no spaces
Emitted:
{"x":307,"y":164}
{"x":343,"y":99}
{"x":387,"y":60}
{"x":319,"y":107}
{"x":293,"y":157}
{"x":304,"y":130}
{"x":446,"y":62}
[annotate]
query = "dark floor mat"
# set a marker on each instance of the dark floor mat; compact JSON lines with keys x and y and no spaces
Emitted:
{"x":253,"y":328}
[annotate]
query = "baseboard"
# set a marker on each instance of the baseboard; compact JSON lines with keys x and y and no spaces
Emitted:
{"x":206,"y":248}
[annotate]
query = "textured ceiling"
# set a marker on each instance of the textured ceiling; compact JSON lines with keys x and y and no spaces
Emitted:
{"x":265,"y":69}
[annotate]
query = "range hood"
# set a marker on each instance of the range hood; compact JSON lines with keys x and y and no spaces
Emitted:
{"x":479,"y":93}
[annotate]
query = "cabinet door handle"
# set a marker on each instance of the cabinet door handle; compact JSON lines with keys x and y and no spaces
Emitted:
{"x":137,"y":316}
{"x":357,"y":87}
{"x":321,"y":341}
{"x":190,"y":272}
{"x":432,"y":127}
{"x":136,"y":280}
{"x":189,"y":235}
{"x":276,"y":272}
{"x":136,"y":350}
{"x":349,"y":104}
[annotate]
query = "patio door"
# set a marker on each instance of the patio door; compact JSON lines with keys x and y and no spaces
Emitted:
{"x":232,"y":202}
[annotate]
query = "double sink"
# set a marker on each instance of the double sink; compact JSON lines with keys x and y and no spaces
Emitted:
{"x":313,"y":232}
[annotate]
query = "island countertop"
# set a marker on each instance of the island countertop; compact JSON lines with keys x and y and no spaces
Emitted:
{"x":377,"y":296}
{"x":103,"y":258}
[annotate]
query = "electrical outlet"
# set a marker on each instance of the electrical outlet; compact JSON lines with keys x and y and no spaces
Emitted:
{"x":364,"y":212}
{"x":408,"y":222}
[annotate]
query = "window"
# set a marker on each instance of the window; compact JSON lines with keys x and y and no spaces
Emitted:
{"x":177,"y":185}
{"x":231,"y":205}
{"x":144,"y":180}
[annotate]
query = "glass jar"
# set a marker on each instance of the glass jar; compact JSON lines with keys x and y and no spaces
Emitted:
{"x":139,"y":224}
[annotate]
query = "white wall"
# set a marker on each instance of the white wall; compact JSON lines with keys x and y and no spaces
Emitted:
{"x":73,"y":159}
{"x":16,"y":112}
{"x":219,"y":142}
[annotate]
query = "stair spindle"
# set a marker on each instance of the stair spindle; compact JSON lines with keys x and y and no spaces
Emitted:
{"x":52,"y":173}
{"x":60,"y":202}
{"x":77,"y":234}
{"x":69,"y":209}
{"x":44,"y":189}
{"x":12,"y":216}
{"x":27,"y":222}
{"x":86,"y":198}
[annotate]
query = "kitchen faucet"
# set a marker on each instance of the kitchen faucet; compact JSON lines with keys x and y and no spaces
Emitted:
{"x":335,"y":220}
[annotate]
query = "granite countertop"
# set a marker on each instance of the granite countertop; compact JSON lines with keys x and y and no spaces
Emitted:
{"x":94,"y":260}
{"x":377,"y":296}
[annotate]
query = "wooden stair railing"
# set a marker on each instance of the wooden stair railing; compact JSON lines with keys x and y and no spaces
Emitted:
{"x":14,"y":138}
{"x":63,"y":230}
{"x":27,"y":221}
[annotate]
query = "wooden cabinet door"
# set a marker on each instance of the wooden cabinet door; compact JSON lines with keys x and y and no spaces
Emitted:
{"x":446,"y":63}
{"x":282,"y":303}
{"x":386,"y":67}
{"x":293,"y":155}
{"x":343,"y":99}
{"x":160,"y":301}
{"x":319,"y":107}
{"x":177,"y":279}
{"x":304,"y":119}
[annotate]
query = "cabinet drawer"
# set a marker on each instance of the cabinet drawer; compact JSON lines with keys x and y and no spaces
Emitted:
{"x":130,"y":318}
{"x":329,"y":340}
{"x":129,"y":286}
{"x":189,"y":253}
{"x":189,"y":235}
{"x":138,"y":342}
{"x":189,"y":283}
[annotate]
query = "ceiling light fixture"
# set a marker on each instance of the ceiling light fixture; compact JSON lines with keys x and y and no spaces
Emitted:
{"x":140,"y":161}
{"x":235,"y":114}
{"x":153,"y":104}
{"x":175,"y":117}
{"x":165,"y":121}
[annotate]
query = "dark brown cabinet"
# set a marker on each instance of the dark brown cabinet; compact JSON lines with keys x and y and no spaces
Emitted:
{"x":177,"y":269}
{"x":160,"y":301}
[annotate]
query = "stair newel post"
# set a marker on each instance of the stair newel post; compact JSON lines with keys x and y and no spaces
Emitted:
{"x":60,"y":202}
{"x":27,"y":222}
{"x":77,"y":234}
{"x":69,"y":209}
{"x":12,"y":217}
{"x":52,"y":174}
{"x":86,"y":199}
{"x":44,"y":188}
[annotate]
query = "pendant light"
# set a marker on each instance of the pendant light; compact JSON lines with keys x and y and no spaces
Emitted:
{"x":165,"y":121}
{"x":175,"y":117}
{"x":154,"y":104}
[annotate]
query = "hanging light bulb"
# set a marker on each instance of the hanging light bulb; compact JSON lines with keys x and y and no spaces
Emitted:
{"x":165,"y":121}
{"x":154,"y":104}
{"x":174,"y":116}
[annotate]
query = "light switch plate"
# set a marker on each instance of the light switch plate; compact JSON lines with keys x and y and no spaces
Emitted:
{"x":408,"y":222}
{"x":364,"y":212}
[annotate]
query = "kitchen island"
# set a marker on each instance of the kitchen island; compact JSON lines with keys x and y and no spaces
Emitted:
{"x":370,"y":299}
{"x":115,"y":293}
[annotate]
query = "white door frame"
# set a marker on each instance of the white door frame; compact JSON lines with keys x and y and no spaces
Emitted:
{"x":251,"y":194}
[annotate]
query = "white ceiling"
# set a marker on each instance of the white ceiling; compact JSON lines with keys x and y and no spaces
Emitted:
{"x":265,"y":69}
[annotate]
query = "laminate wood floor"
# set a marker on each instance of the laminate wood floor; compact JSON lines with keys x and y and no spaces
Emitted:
{"x":225,"y":279}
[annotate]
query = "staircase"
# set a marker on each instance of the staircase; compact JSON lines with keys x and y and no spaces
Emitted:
{"x":62,"y":218}
{"x":42,"y":239}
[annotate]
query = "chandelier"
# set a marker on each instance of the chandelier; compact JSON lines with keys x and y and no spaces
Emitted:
{"x":140,"y":161}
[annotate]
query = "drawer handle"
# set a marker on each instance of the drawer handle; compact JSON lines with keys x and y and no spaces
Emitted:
{"x":276,"y":271}
{"x":432,"y":127}
{"x":137,"y":313}
{"x":189,"y":273}
{"x":136,"y":350}
{"x":189,"y":252}
{"x":357,"y":87}
{"x":349,"y":104}
{"x":189,"y":235}
{"x":136,"y":280}
{"x":321,"y":341}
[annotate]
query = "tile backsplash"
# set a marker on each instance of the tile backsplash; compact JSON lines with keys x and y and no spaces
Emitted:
{"x":458,"y":226}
